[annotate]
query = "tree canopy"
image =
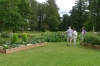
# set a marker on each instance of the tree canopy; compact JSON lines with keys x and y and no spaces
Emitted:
{"x":23,"y":14}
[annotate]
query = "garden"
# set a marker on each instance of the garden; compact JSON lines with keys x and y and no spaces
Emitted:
{"x":92,"y":39}
{"x":54,"y":53}
{"x":24,"y":40}
{"x":32,"y":33}
{"x":21,"y":41}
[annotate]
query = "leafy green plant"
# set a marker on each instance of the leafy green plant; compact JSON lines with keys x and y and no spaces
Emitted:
{"x":92,"y":38}
{"x":14,"y":45}
{"x":5,"y":46}
{"x":2,"y":41}
{"x":50,"y":37}
{"x":56,"y":37}
{"x":14,"y":38}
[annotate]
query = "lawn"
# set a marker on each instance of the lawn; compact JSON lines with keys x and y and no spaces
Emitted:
{"x":54,"y":54}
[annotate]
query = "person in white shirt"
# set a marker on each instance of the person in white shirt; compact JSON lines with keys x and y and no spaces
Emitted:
{"x":74,"y":36}
{"x":69,"y":36}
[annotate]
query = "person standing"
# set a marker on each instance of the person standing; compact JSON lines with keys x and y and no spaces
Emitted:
{"x":69,"y":36}
{"x":83,"y":33}
{"x":74,"y":36}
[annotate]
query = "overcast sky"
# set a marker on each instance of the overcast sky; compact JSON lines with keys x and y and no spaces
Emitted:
{"x":64,"y":5}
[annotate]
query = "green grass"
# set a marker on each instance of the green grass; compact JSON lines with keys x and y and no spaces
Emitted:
{"x":54,"y":54}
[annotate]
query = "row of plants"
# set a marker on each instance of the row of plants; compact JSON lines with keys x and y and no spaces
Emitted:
{"x":46,"y":36}
{"x":15,"y":41}
{"x":54,"y":36}
{"x":92,"y":38}
{"x":58,"y":36}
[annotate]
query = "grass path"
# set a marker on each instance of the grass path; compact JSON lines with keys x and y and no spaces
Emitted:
{"x":54,"y":54}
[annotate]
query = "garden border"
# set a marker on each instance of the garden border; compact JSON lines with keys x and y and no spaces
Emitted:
{"x":11,"y":50}
{"x":91,"y":45}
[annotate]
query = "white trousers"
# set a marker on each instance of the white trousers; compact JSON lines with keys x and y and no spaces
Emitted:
{"x":74,"y":40}
{"x":82,"y":38}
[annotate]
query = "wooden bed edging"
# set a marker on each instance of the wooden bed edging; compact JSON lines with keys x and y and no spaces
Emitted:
{"x":90,"y":45}
{"x":11,"y":50}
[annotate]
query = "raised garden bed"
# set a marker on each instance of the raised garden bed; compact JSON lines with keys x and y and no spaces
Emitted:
{"x":91,"y":45}
{"x":11,"y":50}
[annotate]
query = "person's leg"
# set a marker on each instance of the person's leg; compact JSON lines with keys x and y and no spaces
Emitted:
{"x":74,"y":41}
{"x":70,"y":41}
{"x":67,"y":41}
{"x":82,"y":38}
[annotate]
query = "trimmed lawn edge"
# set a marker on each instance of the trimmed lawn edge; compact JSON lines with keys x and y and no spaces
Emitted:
{"x":91,"y":45}
{"x":11,"y":50}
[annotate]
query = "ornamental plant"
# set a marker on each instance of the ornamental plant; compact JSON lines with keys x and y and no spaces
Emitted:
{"x":24,"y":37}
{"x":14,"y":38}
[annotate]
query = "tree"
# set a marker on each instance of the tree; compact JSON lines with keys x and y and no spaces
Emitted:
{"x":24,"y":11}
{"x":41,"y":16}
{"x":52,"y":15}
{"x":34,"y":15}
{"x":78,"y":14}
{"x":94,"y":14}
{"x":10,"y":18}
{"x":14,"y":14}
{"x":65,"y":22}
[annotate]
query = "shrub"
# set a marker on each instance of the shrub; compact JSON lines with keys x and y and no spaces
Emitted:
{"x":54,"y":37}
{"x":14,"y":38}
{"x":92,"y":38}
{"x":24,"y":37}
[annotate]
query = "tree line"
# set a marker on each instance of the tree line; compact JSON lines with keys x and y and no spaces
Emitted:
{"x":86,"y":13}
{"x":29,"y":15}
{"x":23,"y":15}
